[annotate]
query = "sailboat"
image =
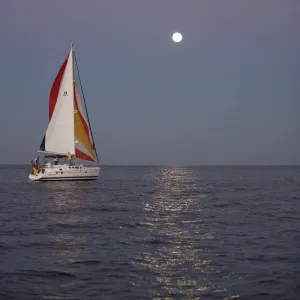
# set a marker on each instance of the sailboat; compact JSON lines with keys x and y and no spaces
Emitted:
{"x":68,"y":139}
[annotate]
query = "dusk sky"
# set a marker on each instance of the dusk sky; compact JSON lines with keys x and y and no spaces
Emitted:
{"x":229,"y":93}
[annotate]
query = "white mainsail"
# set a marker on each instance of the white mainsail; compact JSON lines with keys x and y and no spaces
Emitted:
{"x":59,"y":136}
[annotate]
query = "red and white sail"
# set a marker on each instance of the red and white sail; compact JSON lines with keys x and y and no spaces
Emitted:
{"x":59,"y":136}
{"x":68,"y":129}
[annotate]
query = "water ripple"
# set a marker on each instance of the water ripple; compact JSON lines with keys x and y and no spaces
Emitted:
{"x":152,"y":233}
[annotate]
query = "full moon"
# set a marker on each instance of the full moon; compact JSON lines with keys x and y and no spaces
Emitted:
{"x":177,"y":37}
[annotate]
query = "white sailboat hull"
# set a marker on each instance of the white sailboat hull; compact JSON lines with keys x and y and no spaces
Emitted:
{"x":65,"y":172}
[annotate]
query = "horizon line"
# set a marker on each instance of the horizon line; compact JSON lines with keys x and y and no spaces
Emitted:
{"x":175,"y":165}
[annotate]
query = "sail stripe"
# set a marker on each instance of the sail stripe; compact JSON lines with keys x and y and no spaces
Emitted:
{"x":88,"y":151}
{"x":55,"y":88}
{"x":82,"y":155}
{"x":83,"y":115}
{"x":85,"y":128}
{"x":82,"y":133}
{"x":82,"y":118}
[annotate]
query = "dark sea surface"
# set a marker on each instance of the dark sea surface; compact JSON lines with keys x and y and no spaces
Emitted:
{"x":152,"y":233}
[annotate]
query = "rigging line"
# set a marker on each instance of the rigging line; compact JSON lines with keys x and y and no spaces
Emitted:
{"x":94,"y":146}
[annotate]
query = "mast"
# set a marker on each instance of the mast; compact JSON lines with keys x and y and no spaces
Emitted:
{"x":72,"y":52}
{"x":87,"y":115}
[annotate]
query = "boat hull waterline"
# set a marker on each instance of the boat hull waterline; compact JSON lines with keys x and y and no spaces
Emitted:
{"x":65,"y":172}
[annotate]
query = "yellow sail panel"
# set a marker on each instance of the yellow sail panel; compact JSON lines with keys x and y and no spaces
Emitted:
{"x":84,"y":148}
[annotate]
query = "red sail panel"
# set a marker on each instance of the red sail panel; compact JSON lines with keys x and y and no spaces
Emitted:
{"x":55,"y":88}
{"x":82,"y":155}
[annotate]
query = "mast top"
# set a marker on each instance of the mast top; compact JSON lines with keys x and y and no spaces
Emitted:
{"x":72,"y":45}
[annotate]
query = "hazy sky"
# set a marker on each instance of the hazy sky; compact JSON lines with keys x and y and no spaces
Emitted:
{"x":228,"y":94}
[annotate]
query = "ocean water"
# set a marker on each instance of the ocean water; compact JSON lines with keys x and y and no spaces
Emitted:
{"x":152,"y":233}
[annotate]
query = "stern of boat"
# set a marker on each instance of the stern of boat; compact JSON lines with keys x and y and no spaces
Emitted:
{"x":35,"y":177}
